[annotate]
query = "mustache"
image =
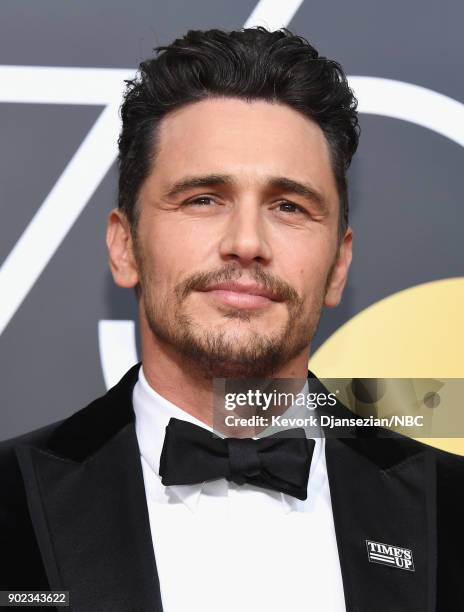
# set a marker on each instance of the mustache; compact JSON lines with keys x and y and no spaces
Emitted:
{"x":200,"y":281}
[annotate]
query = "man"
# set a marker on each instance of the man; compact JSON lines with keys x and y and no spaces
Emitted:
{"x":233,"y":229}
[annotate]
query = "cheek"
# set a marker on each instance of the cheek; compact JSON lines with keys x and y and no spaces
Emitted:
{"x":180,"y":242}
{"x":304,"y":264}
{"x":168,"y":261}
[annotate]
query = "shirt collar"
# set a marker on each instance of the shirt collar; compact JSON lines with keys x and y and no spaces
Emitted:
{"x":152,"y":415}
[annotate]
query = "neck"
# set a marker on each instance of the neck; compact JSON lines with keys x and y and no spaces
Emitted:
{"x":172,"y":376}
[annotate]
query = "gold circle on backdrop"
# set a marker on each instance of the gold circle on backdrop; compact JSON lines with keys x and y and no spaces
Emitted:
{"x":415,"y":333}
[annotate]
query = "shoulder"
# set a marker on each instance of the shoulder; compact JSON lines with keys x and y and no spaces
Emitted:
{"x":37,"y":437}
{"x":449,"y":466}
{"x":79,"y":434}
{"x":10,"y":473}
{"x":443,"y":458}
{"x":450,"y":471}
{"x":387,"y":448}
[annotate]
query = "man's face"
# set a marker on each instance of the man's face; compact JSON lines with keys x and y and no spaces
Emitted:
{"x":236,"y":245}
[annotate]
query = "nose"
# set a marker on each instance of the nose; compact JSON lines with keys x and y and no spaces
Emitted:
{"x":244,"y":236}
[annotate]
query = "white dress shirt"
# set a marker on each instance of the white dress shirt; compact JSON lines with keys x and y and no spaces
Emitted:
{"x":223,"y":547}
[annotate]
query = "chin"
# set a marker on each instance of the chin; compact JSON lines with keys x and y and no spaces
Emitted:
{"x":240,"y":331}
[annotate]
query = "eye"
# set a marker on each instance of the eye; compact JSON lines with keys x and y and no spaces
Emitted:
{"x":201,"y":201}
{"x":290,"y":207}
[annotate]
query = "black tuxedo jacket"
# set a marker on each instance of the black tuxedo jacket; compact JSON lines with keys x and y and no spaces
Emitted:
{"x":73,"y":515}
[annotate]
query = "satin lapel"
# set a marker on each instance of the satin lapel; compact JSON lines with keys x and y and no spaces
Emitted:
{"x":394,"y":505}
{"x":92,"y":525}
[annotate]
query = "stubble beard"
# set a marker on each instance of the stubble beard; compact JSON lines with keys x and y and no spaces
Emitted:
{"x":218,"y":354}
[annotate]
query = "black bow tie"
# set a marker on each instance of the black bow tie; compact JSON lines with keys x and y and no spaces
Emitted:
{"x":192,"y":454}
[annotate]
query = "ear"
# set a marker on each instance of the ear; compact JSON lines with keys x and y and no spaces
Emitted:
{"x":121,"y":250}
{"x":340,"y":269}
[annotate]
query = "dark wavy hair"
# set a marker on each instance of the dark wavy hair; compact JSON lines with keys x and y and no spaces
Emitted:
{"x":251,"y":64}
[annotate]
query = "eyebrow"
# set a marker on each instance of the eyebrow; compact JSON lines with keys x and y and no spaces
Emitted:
{"x":280,"y":183}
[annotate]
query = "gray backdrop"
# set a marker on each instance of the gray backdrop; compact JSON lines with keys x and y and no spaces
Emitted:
{"x":406,"y":202}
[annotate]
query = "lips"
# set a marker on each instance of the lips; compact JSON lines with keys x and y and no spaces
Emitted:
{"x":241,"y":295}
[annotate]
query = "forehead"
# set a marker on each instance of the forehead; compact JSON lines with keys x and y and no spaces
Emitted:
{"x":247,"y":140}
